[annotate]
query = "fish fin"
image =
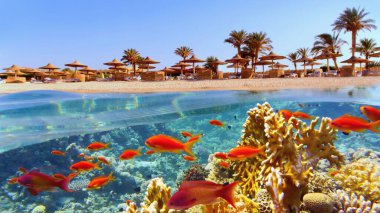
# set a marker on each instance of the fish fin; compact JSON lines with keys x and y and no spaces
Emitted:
{"x":139,"y":151}
{"x":33,"y":191}
{"x":23,"y":170}
{"x":262,"y":150}
{"x":374,"y":126}
{"x":228,"y":194}
{"x":59,"y":176}
{"x":97,"y":165}
{"x":64,"y":184}
{"x":188,"y":146}
{"x":111,"y":177}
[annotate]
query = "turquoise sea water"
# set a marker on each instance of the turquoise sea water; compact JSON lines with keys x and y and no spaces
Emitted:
{"x":32,"y":124}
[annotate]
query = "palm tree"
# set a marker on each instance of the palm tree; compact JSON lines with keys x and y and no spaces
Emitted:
{"x":326,"y":42}
{"x":237,"y":39}
{"x":366,"y":47}
{"x":257,"y":43}
{"x":131,"y":56}
{"x":208,"y":64}
{"x":353,"y":20}
{"x":304,"y":53}
{"x":293,"y":56}
{"x":183,"y":52}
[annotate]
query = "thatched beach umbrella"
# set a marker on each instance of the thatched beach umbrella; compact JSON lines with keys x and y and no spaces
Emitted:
{"x":278,"y":65}
{"x":216,"y":64}
{"x":148,"y":61}
{"x":49,"y":67}
{"x":327,"y":56}
{"x":272,"y":56}
{"x":237,"y":59}
{"x":167,"y":71}
{"x":375,"y":55}
{"x":75,"y":64}
{"x":312,"y":63}
{"x":263,"y":63}
{"x":114,"y":63}
{"x":87,"y":70}
{"x":304,"y":60}
{"x":193,"y":60}
{"x":146,"y":67}
{"x":13,"y":68}
{"x":182,"y":65}
{"x":355,"y":60}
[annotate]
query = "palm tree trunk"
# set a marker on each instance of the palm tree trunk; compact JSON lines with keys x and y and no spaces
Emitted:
{"x":353,"y":48}
{"x":366,"y":63}
{"x":134,"y":69}
{"x":239,"y":50}
{"x":335,"y":64}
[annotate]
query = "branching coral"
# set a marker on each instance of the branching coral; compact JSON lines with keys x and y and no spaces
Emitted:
{"x":321,"y":183}
{"x":292,"y":152}
{"x":346,"y":203}
{"x":156,"y":198}
{"x":361,"y":177}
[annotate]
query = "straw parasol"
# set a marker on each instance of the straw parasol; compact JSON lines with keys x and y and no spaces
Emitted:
{"x":355,"y":60}
{"x":216,"y":64}
{"x":272,"y":56}
{"x":312,"y":63}
{"x":114,"y":64}
{"x":13,"y":67}
{"x":263,"y":62}
{"x":49,"y":67}
{"x":14,"y":72}
{"x":304,"y":59}
{"x":278,"y":65}
{"x":237,"y":59}
{"x":148,"y":61}
{"x":182,"y":65}
{"x":375,"y":55}
{"x":145,"y":66}
{"x":327,"y":55}
{"x":75,"y":64}
{"x":194,"y":60}
{"x":87,"y":70}
{"x":167,"y":70}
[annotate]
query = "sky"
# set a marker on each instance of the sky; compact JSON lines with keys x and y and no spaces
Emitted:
{"x":36,"y":32}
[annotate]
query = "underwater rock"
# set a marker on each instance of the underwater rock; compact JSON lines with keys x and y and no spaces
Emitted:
{"x":318,"y":202}
{"x":345,"y":202}
{"x":39,"y":209}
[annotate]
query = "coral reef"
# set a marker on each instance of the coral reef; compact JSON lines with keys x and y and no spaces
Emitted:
{"x":196,"y":172}
{"x":322,"y":183}
{"x":156,"y":197}
{"x":243,"y":204}
{"x":217,"y":173}
{"x":346,"y":203}
{"x":292,"y":152}
{"x":318,"y":202}
{"x":39,"y":209}
{"x":361,"y":177}
{"x":264,"y":201}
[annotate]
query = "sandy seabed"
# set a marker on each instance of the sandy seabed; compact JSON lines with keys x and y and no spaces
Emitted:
{"x":190,"y":85}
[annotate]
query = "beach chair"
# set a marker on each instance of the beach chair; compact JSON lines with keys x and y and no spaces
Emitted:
{"x":332,"y":73}
{"x":316,"y":73}
{"x":35,"y":81}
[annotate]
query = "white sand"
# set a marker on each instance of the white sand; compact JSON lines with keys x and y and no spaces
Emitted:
{"x":184,"y":85}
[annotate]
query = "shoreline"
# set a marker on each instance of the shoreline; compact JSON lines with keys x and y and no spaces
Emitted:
{"x":198,"y":85}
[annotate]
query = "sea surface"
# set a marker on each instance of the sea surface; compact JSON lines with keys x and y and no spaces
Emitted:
{"x":32,"y":124}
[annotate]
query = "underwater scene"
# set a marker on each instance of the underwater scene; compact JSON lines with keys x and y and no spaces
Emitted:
{"x":207,"y":151}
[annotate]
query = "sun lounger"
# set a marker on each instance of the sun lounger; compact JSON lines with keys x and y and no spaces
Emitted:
{"x":2,"y":81}
{"x":316,"y":73}
{"x":49,"y":80}
{"x":331,"y":73}
{"x":71,"y":80}
{"x":104,"y":79}
{"x":35,"y":81}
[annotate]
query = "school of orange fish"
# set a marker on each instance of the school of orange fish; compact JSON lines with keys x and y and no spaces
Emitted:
{"x":190,"y":193}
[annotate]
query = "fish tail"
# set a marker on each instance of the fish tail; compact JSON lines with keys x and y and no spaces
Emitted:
{"x":374,"y":126}
{"x":111,"y":177}
{"x":64,"y":184}
{"x":228,"y":194}
{"x":189,"y":147}
{"x":97,"y":165}
{"x":139,"y":151}
{"x":262,"y":150}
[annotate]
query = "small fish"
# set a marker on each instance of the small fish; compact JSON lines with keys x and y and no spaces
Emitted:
{"x":348,"y":123}
{"x":215,"y":122}
{"x":370,"y":112}
{"x":100,"y":181}
{"x":165,"y":143}
{"x":221,"y":155}
{"x":286,"y":114}
{"x":130,"y":153}
{"x":244,"y":152}
{"x":301,"y":105}
{"x":302,"y":115}
{"x":103,"y":160}
{"x":94,"y":146}
{"x":37,"y":182}
{"x":81,"y":155}
{"x":84,"y":166}
{"x":192,"y":193}
{"x":189,"y":158}
{"x":57,"y":152}
{"x":150,"y":152}
{"x":186,"y":134}
{"x":224,"y":164}
{"x":195,"y":138}
{"x":333,"y":173}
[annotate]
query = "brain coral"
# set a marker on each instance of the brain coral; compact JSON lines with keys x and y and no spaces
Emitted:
{"x":318,"y":202}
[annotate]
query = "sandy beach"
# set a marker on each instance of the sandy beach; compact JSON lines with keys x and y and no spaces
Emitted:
{"x":177,"y":86}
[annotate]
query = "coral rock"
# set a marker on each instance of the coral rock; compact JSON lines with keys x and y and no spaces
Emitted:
{"x":318,"y":202}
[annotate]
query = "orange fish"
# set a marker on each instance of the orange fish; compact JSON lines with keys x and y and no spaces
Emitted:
{"x":189,"y":158}
{"x":84,"y":166}
{"x":100,"y":181}
{"x":348,"y":123}
{"x":286,"y":114}
{"x":88,"y":158}
{"x":215,"y":122}
{"x":192,"y":193}
{"x":186,"y":134}
{"x":130,"y":153}
{"x":195,"y":138}
{"x":220,"y":155}
{"x":149,"y":152}
{"x":302,"y":115}
{"x":244,"y":152}
{"x":224,"y":164}
{"x":81,"y":155}
{"x":370,"y":112}
{"x":165,"y":143}
{"x":37,"y":182}
{"x":57,"y":152}
{"x":103,"y":160}
{"x":94,"y":146}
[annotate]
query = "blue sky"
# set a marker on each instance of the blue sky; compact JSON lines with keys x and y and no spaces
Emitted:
{"x":35,"y":32}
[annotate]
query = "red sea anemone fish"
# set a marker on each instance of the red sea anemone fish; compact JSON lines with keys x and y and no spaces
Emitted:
{"x":244,"y":152}
{"x":165,"y":143}
{"x":95,"y":146}
{"x":85,"y":166}
{"x":348,"y":123}
{"x":370,"y":112}
{"x":37,"y":182}
{"x":100,"y":181}
{"x":215,"y":122}
{"x":191,"y":193}
{"x":130,"y":154}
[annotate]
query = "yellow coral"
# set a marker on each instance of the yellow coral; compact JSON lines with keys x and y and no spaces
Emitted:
{"x":157,"y":196}
{"x":361,"y":177}
{"x":292,"y":151}
{"x":217,"y":173}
